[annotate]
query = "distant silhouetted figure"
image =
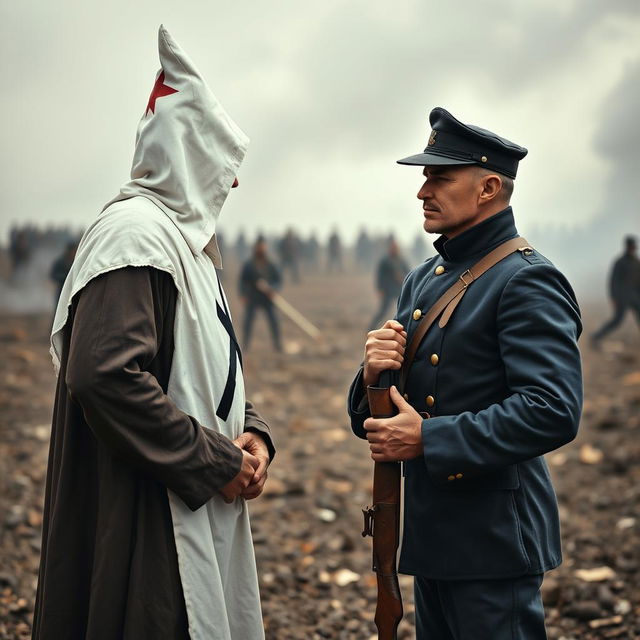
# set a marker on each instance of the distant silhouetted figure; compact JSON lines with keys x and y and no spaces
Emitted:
{"x":19,"y":250}
{"x":61,"y":267}
{"x":258,"y":279}
{"x":419,"y":250}
{"x":289,"y":250}
{"x":364,"y":250}
{"x":311,"y":251}
{"x":391,"y":272}
{"x":335,"y":253}
{"x":242,"y":251}
{"x":624,"y":288}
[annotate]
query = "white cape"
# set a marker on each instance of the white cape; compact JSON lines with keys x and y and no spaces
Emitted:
{"x":187,"y":155}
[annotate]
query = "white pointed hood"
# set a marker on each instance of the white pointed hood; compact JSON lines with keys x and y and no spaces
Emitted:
{"x":188,"y":150}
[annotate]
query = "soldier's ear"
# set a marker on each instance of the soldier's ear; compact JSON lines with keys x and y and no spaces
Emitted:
{"x":491,"y":186}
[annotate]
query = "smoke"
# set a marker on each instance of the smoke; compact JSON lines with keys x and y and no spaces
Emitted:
{"x":585,"y":254}
{"x":28,"y":289}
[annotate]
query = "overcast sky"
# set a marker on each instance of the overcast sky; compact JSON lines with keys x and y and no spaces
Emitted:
{"x":331,"y":94}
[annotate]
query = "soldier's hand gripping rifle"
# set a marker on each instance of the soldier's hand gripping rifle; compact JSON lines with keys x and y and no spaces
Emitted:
{"x":382,"y":521}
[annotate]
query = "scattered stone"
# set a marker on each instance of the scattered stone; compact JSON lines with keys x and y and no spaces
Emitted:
{"x":631,"y":379}
{"x":550,"y":591}
{"x":8,"y":580}
{"x":597,"y":574}
{"x":605,"y":597}
{"x":558,"y":459}
{"x":605,"y":622}
{"x":626,"y":523}
{"x":326,"y":515}
{"x":15,"y":516}
{"x":623,"y":607}
{"x":590,"y":455}
{"x":586,"y":610}
{"x":345,"y":576}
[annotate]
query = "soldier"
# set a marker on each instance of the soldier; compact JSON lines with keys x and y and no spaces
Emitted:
{"x":311,"y":250}
{"x":364,"y":250}
{"x":258,"y":278}
{"x":61,"y":266}
{"x":624,"y":289}
{"x":502,"y":383}
{"x":334,"y":249}
{"x":289,"y":250}
{"x":19,"y":251}
{"x":419,"y":249}
{"x":390,"y":274}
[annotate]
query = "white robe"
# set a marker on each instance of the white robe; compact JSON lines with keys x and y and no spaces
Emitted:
{"x":187,"y":155}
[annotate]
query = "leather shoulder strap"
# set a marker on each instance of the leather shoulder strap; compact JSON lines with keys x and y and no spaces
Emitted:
{"x":450,"y":299}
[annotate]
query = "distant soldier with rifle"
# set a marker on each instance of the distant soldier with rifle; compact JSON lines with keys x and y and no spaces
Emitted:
{"x":259,"y":279}
{"x":487,"y":380}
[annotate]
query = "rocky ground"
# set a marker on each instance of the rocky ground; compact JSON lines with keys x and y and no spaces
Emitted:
{"x":314,"y":565}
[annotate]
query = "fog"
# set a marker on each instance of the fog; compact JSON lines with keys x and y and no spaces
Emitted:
{"x":331,"y":96}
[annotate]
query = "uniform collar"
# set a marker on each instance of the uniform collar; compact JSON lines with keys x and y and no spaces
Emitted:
{"x":479,"y":239}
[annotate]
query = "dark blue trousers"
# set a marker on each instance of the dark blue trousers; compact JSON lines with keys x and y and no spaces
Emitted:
{"x":274,"y":325}
{"x":505,"y":609}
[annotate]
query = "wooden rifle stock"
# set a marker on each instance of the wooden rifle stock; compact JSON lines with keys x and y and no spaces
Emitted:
{"x":382,"y":522}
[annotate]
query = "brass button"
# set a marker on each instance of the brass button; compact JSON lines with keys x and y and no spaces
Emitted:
{"x":450,"y":478}
{"x":439,"y":270}
{"x":434,"y":359}
{"x":430,"y":400}
{"x":458,"y":476}
{"x":483,"y":159}
{"x":406,"y":396}
{"x":417,"y":314}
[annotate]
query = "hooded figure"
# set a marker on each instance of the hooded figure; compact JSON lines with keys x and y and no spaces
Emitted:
{"x":146,"y":530}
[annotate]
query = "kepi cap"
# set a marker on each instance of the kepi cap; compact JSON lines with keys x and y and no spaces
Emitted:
{"x":454,"y":143}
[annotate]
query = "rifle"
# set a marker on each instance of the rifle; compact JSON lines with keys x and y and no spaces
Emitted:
{"x":382,"y":521}
{"x":288,"y":309}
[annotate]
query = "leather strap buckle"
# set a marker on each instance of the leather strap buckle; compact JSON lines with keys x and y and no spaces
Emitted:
{"x":469,"y":275}
{"x":369,"y":516}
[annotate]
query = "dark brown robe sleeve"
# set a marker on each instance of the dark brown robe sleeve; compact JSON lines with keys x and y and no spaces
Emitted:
{"x":253,"y":421}
{"x":116,"y":334}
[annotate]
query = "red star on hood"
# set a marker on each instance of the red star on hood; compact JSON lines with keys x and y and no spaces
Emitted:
{"x":159,"y":91}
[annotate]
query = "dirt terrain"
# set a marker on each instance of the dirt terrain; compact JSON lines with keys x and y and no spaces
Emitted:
{"x":314,"y":565}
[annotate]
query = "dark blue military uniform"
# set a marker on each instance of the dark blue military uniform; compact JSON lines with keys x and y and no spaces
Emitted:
{"x":502,"y":383}
{"x":252,"y":272}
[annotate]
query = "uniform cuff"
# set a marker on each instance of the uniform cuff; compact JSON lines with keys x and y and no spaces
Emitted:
{"x":358,"y":401}
{"x":435,"y":444}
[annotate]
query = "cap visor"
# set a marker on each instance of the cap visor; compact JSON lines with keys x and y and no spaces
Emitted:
{"x":431,"y":159}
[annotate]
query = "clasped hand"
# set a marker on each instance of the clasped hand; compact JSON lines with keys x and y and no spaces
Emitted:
{"x":249,"y":481}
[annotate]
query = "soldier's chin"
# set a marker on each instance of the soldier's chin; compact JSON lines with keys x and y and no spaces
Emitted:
{"x":431,"y":226}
